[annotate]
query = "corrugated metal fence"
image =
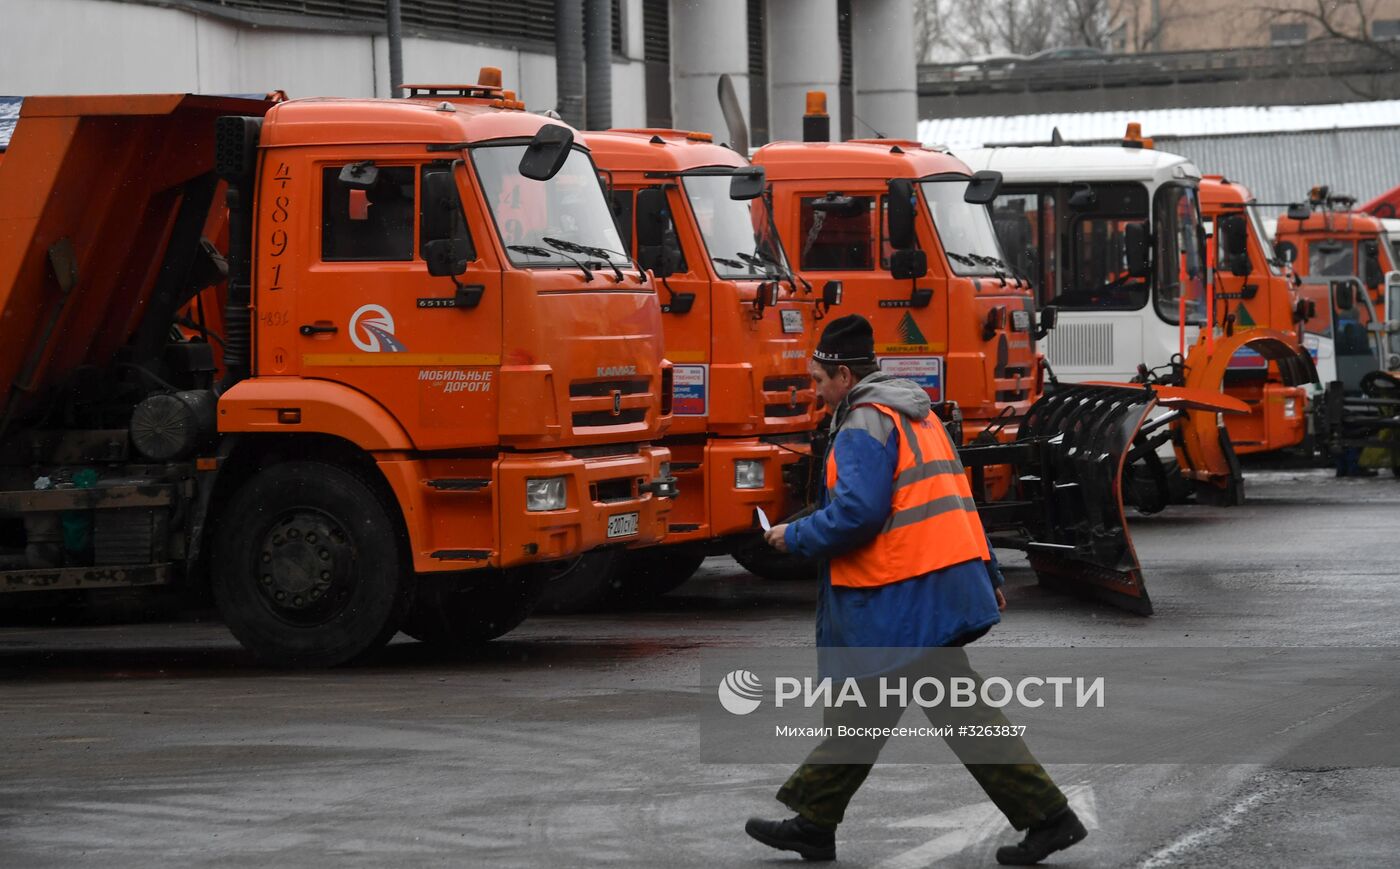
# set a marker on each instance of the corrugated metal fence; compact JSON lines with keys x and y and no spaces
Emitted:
{"x":1282,"y":167}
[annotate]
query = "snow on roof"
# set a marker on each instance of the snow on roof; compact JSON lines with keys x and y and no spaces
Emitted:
{"x":9,"y":116}
{"x":962,"y":133}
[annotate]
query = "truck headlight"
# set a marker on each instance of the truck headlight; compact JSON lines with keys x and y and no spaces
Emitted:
{"x":748,"y":474}
{"x":546,"y":493}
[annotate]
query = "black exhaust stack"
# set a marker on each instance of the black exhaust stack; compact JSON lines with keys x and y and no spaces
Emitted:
{"x":235,"y":159}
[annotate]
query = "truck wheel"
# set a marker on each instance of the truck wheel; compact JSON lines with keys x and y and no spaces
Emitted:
{"x":455,"y":612}
{"x":583,"y":583}
{"x":308,"y":569}
{"x":760,"y":559}
{"x":656,"y":570}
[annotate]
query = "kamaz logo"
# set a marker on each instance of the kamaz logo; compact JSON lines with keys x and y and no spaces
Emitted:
{"x":616,"y":370}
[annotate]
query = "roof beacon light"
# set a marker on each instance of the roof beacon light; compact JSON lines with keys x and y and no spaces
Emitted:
{"x":1133,"y":137}
{"x":489,"y":77}
{"x":816,"y":123}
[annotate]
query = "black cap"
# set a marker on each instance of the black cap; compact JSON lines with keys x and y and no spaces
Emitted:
{"x":846,"y":340}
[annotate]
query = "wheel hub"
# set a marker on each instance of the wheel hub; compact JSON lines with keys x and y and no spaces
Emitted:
{"x":304,"y":564}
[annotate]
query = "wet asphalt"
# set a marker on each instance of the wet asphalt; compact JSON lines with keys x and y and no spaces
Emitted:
{"x":572,"y":741}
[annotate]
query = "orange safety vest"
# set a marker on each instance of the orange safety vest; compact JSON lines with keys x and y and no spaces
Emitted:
{"x":933,"y":520}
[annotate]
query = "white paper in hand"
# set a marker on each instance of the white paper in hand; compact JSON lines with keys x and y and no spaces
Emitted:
{"x":763,"y":519}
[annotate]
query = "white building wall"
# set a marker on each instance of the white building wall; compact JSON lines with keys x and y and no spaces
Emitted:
{"x":101,"y":46}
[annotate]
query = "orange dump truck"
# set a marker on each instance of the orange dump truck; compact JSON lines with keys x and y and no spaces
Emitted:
{"x":1252,"y":297}
{"x":739,"y":331}
{"x":427,"y":397}
{"x":905,"y":232}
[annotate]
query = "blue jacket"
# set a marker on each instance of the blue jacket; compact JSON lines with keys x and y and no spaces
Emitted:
{"x":916,"y":613}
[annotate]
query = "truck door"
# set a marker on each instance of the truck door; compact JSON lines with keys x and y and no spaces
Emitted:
{"x":373,"y":318}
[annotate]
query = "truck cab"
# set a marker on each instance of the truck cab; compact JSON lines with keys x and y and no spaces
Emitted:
{"x":1111,"y":237}
{"x":738,"y":329}
{"x":1251,"y":291}
{"x":946,"y":311}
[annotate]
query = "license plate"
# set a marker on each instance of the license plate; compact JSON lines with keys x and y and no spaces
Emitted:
{"x":1020,"y":321}
{"x":622,"y":525}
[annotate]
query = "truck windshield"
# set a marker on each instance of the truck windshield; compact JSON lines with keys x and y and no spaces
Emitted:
{"x":534,"y":217}
{"x":737,"y":234}
{"x":1332,"y":257}
{"x":1256,"y":222}
{"x":1180,"y":255}
{"x":964,"y":230}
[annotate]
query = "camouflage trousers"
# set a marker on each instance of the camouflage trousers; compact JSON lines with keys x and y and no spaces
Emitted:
{"x":823,"y":786}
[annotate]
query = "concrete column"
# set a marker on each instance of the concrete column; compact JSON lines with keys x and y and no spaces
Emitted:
{"x":804,"y":54}
{"x":708,"y":38}
{"x":883,"y":69}
{"x":597,"y":52}
{"x":568,"y":61}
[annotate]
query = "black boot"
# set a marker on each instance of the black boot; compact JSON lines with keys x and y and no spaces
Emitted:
{"x":810,"y":839}
{"x":1055,"y":833}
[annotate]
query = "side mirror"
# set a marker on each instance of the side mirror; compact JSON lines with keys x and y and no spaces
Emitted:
{"x":439,"y":200}
{"x":983,"y":188}
{"x":1083,"y":198}
{"x":653,"y":219}
{"x":1345,"y":294}
{"x":906,"y":264}
{"x":1232,"y":236}
{"x":1372,"y":273}
{"x":833,"y":292}
{"x":359,"y":176}
{"x":1049,"y":318}
{"x":747,"y":183}
{"x":1299,"y":211}
{"x":901,"y":206}
{"x":1286,"y":251}
{"x":546,"y":153}
{"x":447,"y":257}
{"x":1135,"y":244}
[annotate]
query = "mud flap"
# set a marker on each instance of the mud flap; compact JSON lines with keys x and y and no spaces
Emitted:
{"x":1073,"y":447}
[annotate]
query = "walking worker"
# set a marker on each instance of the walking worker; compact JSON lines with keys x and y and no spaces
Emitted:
{"x":906,"y":573}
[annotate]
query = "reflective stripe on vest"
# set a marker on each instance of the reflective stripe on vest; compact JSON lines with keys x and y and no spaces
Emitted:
{"x":933,"y":520}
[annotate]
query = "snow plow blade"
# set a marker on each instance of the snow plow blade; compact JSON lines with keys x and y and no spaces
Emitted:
{"x":1067,"y":510}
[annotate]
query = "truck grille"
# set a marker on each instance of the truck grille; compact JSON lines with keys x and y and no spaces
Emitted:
{"x":594,"y":418}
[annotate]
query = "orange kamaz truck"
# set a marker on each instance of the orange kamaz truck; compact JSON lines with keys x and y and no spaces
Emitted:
{"x":739,"y":331}
{"x":905,"y":231}
{"x":1251,"y":296}
{"x":1349,"y":264}
{"x":436,"y":377}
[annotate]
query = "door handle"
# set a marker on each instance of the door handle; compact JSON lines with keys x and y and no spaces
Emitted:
{"x":310,"y":329}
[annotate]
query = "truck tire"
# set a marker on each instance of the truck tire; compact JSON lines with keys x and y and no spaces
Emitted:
{"x":587,"y":582}
{"x":762,"y":560}
{"x":456,"y":613}
{"x":656,"y":570}
{"x":308,"y":566}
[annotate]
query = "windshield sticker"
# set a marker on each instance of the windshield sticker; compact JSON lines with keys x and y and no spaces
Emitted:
{"x":691,"y":384}
{"x":792,"y":322}
{"x":927,"y":371}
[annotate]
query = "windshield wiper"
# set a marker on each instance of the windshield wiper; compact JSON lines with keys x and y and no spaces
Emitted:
{"x":733,"y":263}
{"x":586,"y":250}
{"x":536,"y":250}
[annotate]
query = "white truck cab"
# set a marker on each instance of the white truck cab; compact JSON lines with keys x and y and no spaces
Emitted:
{"x":1112,"y":237}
